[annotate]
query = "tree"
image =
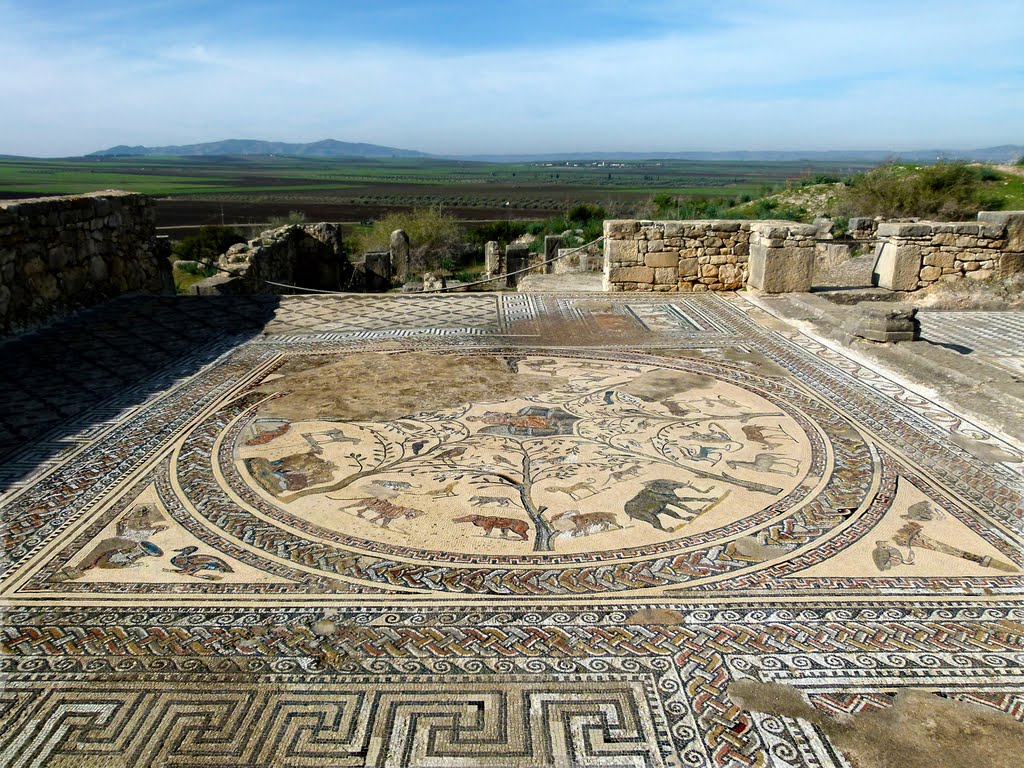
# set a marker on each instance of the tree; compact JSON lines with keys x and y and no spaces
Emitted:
{"x":211,"y":241}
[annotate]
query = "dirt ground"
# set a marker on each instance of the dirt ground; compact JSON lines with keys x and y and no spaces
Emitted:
{"x":921,"y":730}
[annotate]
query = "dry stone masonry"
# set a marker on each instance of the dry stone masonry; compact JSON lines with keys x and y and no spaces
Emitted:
{"x":675,"y":255}
{"x":60,"y":254}
{"x":917,"y":254}
{"x":305,"y":255}
{"x":780,"y":256}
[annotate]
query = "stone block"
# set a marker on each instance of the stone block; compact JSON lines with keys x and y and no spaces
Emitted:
{"x":781,"y":270}
{"x":399,"y":249}
{"x":620,"y":228}
{"x":492,"y":258}
{"x":377,"y":270}
{"x":631,"y":275}
{"x":622,"y":251}
{"x":665,"y":276}
{"x":901,"y":229}
{"x":517,"y":257}
{"x":662,"y":259}
{"x":897,"y":267}
{"x":688,"y":267}
{"x":930,"y":274}
{"x":885,"y":322}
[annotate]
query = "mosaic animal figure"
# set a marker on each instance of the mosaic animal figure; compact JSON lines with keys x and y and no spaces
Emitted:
{"x":769,"y":462}
{"x":585,"y":523}
{"x":394,"y":485}
{"x":264,"y":437}
{"x":575,"y":490}
{"x":445,"y":493}
{"x":506,"y":525}
{"x":656,"y":499}
{"x":619,"y":475}
{"x":119,"y":552}
{"x":192,"y":564}
{"x":383,"y":511}
{"x":922,"y":510}
{"x":708,"y":453}
{"x":769,"y":437}
{"x":490,"y":501}
{"x":449,"y":456}
{"x":124,"y":550}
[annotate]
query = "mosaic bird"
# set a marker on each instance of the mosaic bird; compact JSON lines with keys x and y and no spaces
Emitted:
{"x":191,"y":564}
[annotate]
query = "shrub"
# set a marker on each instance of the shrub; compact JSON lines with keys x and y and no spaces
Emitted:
{"x":944,"y":191}
{"x":293,"y":217}
{"x":503,"y":232}
{"x":206,"y":246}
{"x":434,"y":237}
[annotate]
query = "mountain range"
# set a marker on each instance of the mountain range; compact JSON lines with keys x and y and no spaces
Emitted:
{"x":330,"y":148}
{"x":237,"y":147}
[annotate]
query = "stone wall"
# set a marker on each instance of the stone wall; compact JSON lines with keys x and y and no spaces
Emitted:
{"x":305,"y":255}
{"x":694,"y":256}
{"x":918,"y":254}
{"x":675,"y":255}
{"x":780,"y":256}
{"x":61,"y":254}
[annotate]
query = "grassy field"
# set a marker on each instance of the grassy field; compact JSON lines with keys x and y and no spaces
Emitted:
{"x":249,"y":190}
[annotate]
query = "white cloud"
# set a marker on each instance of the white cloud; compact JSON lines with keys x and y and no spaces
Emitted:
{"x":766,"y":77}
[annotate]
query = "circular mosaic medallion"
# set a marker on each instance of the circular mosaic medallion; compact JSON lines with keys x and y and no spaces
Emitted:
{"x":630,"y":472}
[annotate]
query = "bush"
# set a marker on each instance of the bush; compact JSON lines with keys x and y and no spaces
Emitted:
{"x":435,"y":238}
{"x":207,"y":246}
{"x":293,"y":217}
{"x":503,"y":232}
{"x":944,"y":191}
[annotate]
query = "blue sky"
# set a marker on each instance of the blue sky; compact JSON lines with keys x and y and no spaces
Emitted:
{"x":462,"y":77}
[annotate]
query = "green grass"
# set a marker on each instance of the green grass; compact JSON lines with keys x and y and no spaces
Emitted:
{"x":210,"y":176}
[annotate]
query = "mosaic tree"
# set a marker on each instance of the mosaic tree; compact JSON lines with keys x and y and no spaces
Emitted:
{"x":615,"y":433}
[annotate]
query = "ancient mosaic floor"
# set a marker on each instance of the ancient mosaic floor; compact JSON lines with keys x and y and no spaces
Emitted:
{"x":503,"y":530}
{"x":996,"y":338}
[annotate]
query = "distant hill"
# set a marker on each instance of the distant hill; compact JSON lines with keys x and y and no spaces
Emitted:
{"x":1007,"y":153}
{"x":236,"y":147}
{"x":1002,"y":154}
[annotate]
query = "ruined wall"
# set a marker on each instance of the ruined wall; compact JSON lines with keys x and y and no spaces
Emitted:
{"x":917,"y":254}
{"x":306,"y":255}
{"x":675,"y":255}
{"x":780,"y":256}
{"x":60,"y":254}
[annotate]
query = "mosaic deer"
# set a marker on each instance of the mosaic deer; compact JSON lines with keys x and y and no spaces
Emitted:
{"x":769,"y":462}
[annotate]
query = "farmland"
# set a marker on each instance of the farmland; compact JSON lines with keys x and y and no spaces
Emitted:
{"x":249,"y":190}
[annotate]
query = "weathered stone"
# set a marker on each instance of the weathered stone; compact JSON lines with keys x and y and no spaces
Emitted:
{"x":930,"y":274}
{"x":688,"y":267}
{"x":398,"y":246}
{"x":517,"y":258}
{"x":899,"y":229}
{"x":377,"y":273}
{"x":618,"y":228}
{"x":632,"y":275}
{"x":662,"y":259}
{"x":781,"y":270}
{"x":665,"y":276}
{"x":622,"y":251}
{"x":434,"y":282}
{"x":493,"y":258}
{"x":885,"y":322}
{"x":897,"y":267}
